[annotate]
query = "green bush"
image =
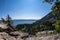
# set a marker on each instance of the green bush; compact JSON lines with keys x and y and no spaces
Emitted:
{"x":57,"y":26}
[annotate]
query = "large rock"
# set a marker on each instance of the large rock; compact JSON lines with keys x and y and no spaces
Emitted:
{"x":19,"y":33}
{"x":5,"y":36}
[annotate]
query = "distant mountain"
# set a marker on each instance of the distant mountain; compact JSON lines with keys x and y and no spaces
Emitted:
{"x":45,"y":22}
{"x":49,"y":17}
{"x":16,"y":22}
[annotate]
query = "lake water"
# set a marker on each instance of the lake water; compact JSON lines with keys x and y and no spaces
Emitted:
{"x":16,"y":22}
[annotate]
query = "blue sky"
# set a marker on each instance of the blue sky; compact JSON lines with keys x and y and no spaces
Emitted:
{"x":24,"y":9}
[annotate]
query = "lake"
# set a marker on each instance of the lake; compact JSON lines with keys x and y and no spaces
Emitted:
{"x":16,"y":22}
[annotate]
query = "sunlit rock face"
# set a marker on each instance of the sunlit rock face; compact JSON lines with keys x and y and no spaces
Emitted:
{"x":4,"y":26}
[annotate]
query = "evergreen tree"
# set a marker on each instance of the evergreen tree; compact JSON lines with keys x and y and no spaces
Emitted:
{"x":9,"y":20}
{"x":3,"y":20}
{"x":56,"y":11}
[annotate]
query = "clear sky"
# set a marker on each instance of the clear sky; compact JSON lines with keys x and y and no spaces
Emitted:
{"x":24,"y":9}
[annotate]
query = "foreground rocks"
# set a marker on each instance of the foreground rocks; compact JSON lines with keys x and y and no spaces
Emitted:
{"x":5,"y":36}
{"x":13,"y":35}
{"x":54,"y":37}
{"x":18,"y":35}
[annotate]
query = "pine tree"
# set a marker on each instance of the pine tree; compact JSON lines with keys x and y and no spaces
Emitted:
{"x":56,"y":11}
{"x":9,"y":20}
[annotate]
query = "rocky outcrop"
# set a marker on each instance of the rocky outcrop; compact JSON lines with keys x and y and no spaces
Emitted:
{"x":5,"y":36}
{"x":52,"y":37}
{"x":18,"y":35}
